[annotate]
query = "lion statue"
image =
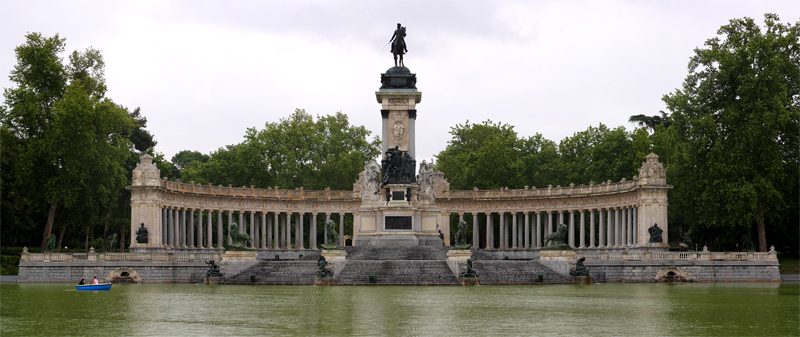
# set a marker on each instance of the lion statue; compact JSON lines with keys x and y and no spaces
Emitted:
{"x":332,"y":236}
{"x":558,"y":238}
{"x":461,"y":235}
{"x":241,"y":240}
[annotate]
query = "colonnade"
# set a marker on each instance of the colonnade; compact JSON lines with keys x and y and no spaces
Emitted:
{"x":184,"y":228}
{"x":612,"y":227}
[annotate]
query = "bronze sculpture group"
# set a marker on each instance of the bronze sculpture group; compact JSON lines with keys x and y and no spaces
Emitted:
{"x":398,"y":167}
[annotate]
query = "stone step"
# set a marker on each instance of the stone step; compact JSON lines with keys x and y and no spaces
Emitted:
{"x":397,"y":253}
{"x":278,"y":272}
{"x":510,"y":271}
{"x":396,"y":272}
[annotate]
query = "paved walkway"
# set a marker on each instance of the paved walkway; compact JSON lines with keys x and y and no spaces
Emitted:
{"x":790,"y":278}
{"x":8,"y":279}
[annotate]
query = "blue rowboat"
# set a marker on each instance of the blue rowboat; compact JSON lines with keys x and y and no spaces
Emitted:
{"x":101,"y":286}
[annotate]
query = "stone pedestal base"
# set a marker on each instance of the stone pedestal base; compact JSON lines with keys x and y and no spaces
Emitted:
{"x":325,"y":281}
{"x":399,"y":240}
{"x":470,"y":281}
{"x":557,"y":255}
{"x":332,"y":255}
{"x":212,"y":280}
{"x":239,"y":255}
{"x":584,"y":279}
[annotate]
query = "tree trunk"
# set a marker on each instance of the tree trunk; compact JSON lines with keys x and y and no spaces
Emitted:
{"x":51,"y":215}
{"x":86,"y":245}
{"x":61,"y":237}
{"x":762,"y":233}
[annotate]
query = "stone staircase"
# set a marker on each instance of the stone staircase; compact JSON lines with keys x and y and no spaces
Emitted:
{"x":397,"y":266}
{"x":396,"y":253}
{"x":517,"y":272}
{"x":300,"y":271}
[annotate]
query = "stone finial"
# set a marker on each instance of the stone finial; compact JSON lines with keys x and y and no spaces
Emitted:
{"x":652,"y":171}
{"x":91,"y":250}
{"x":571,"y":184}
{"x":474,"y":188}
{"x":591,"y":183}
{"x":608,"y":182}
{"x":24,"y":250}
{"x":526,"y":187}
{"x":558,"y":186}
{"x":635,"y":178}
{"x":705,"y":249}
{"x":772,"y":249}
{"x":623,"y":180}
{"x":146,"y":173}
{"x":549,"y":186}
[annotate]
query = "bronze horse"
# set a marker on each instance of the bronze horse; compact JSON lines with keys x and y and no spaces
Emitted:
{"x":399,"y":44}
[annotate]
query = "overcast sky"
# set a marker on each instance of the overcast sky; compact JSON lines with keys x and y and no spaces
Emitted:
{"x":204,"y":71}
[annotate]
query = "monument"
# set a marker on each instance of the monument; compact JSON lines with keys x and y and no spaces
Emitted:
{"x":398,"y":209}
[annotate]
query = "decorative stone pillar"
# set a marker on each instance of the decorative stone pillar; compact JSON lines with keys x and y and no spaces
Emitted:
{"x":571,"y":234}
{"x":549,"y":226}
{"x":276,"y":232}
{"x":209,"y":230}
{"x":146,"y":205}
{"x":630,"y":226}
{"x":192,"y":234}
{"x":269,"y":240}
{"x":527,"y":231}
{"x":341,"y":229}
{"x":538,"y":236}
{"x":182,"y":224}
{"x":252,"y":228}
{"x":476,"y":240}
{"x":502,"y":231}
{"x":652,"y":202}
{"x":398,"y":112}
{"x":287,"y":231}
{"x":263,"y":230}
{"x":173,"y":227}
{"x":591,"y":229}
{"x":164,"y":230}
{"x":219,"y":228}
{"x":610,"y":228}
{"x":636,"y":225}
{"x":242,"y":223}
{"x":582,"y":230}
{"x":312,"y":235}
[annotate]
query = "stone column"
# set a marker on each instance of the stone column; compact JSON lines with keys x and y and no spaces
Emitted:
{"x":299,"y":236}
{"x":591,"y":228}
{"x":170,"y":227}
{"x":219,"y":228}
{"x":476,"y":240}
{"x":571,"y":230}
{"x":183,"y":228}
{"x":514,"y":237}
{"x":230,"y":222}
{"x":609,"y":228}
{"x":630,"y":226}
{"x":263,"y":230}
{"x":623,"y":227}
{"x":549,"y":226}
{"x":527,"y":231}
{"x":276,"y":232}
{"x":341,"y":229}
{"x":192,"y":235}
{"x":635,"y":225}
{"x":312,"y":235}
{"x":489,"y":237}
{"x":582,"y":230}
{"x":601,"y":228}
{"x":537,"y":242}
{"x":164,"y":229}
{"x":269,"y":239}
{"x":617,"y":228}
{"x":242,"y":223}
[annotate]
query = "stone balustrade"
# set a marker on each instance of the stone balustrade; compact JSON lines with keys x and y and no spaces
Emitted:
{"x":621,"y":186}
{"x":296,"y":194}
{"x":678,"y":256}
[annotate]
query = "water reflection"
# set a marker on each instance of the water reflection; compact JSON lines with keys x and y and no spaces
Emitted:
{"x":604,"y":309}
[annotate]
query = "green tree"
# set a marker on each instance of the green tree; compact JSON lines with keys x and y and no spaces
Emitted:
{"x":295,"y":152}
{"x":485,"y":155}
{"x":650,"y":122}
{"x":737,"y":125}
{"x":184,"y":159}
{"x":69,"y":139}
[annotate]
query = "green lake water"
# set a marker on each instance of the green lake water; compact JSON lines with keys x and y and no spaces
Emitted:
{"x":741,"y":309}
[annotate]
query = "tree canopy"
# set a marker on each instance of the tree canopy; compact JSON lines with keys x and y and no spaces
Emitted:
{"x":735,"y":122}
{"x":297,"y":151}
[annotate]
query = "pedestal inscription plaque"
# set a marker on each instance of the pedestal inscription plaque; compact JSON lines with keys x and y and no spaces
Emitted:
{"x":398,"y":222}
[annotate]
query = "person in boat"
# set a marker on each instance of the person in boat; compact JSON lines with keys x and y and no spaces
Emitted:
{"x":83,"y":281}
{"x":95,"y":280}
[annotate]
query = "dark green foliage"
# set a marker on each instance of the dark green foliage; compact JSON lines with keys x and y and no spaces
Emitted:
{"x":294,"y":152}
{"x":736,"y":126}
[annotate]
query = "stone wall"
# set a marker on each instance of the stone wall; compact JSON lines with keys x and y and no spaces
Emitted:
{"x":73,"y":272}
{"x":692,"y":271}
